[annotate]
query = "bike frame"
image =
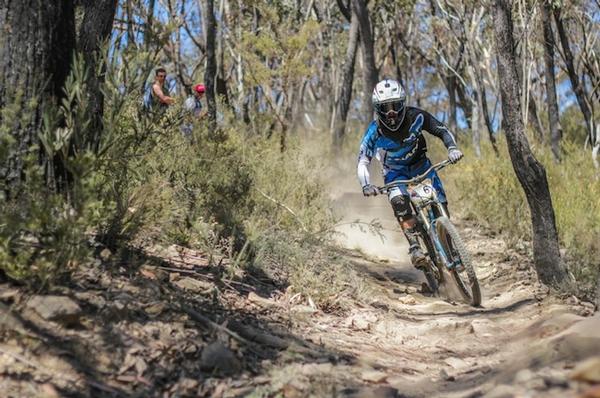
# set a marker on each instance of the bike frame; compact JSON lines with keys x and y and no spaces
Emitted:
{"x":426,"y":217}
{"x":428,"y":220}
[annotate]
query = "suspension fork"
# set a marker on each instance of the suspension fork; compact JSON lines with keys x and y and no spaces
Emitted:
{"x":425,"y":227}
{"x":448,"y":263}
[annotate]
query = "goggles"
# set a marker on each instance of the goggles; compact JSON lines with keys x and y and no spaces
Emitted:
{"x":390,"y":109}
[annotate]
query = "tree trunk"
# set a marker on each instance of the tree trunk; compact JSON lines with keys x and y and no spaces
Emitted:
{"x":368,"y":54}
{"x":210,"y":74}
{"x":221,"y":82}
{"x":396,"y":61}
{"x":551,"y":100}
{"x":534,"y":118}
{"x":465,"y":103}
{"x":343,"y":105}
{"x":573,"y":77}
{"x":475,"y":129}
{"x":37,"y":39}
{"x":148,"y":26}
{"x":487,"y":119}
{"x":450,"y":83}
{"x":95,"y":30}
{"x":529,"y":171}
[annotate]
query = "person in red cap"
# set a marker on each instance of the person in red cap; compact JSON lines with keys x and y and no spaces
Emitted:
{"x":193,"y":105}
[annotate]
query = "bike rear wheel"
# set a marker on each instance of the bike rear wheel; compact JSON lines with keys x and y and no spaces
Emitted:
{"x":455,"y":250}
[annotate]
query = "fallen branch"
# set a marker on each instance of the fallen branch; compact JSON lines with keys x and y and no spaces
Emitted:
{"x":195,"y":315}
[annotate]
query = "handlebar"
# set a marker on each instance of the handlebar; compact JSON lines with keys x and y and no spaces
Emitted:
{"x":415,"y":180}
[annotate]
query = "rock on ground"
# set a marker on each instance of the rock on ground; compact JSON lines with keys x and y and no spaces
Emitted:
{"x":55,"y":308}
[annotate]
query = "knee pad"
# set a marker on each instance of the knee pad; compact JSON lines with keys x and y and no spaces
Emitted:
{"x":401,"y":207}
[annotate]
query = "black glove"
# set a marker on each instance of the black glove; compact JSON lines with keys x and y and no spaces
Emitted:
{"x":454,"y":155}
{"x":370,"y":190}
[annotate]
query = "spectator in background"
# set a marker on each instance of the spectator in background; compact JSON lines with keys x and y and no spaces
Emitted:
{"x":160,"y":90}
{"x":156,"y":97}
{"x":193,"y":103}
{"x":193,"y":107}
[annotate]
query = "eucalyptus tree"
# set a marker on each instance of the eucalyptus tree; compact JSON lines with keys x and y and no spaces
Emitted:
{"x":574,"y":76}
{"x":96,"y":27}
{"x":530,"y":173}
{"x":210,"y":73}
{"x":550,"y":79}
{"x":347,"y":77}
{"x":370,"y":72}
{"x":37,"y":40}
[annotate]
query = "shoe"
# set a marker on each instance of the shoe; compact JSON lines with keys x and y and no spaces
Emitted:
{"x":417,"y":257}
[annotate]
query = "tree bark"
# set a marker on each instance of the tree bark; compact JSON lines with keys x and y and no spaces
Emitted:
{"x":370,"y":73}
{"x":210,"y":74}
{"x":551,"y":100}
{"x":465,"y":104}
{"x":486,"y":116}
{"x":95,"y":30}
{"x":573,"y":77}
{"x":534,"y":118}
{"x":148,"y":25}
{"x":450,"y":83}
{"x":529,"y":171}
{"x":343,"y":105}
{"x":37,"y":39}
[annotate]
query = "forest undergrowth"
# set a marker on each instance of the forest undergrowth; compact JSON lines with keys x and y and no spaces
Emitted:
{"x":231,"y":192}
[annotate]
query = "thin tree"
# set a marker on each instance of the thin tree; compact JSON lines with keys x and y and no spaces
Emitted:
{"x":573,"y":76}
{"x":551,"y":101}
{"x":210,"y":74}
{"x":530,"y":173}
{"x":370,"y":72}
{"x":347,"y":80}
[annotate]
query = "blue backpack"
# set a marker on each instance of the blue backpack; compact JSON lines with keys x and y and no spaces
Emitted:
{"x":147,"y":99}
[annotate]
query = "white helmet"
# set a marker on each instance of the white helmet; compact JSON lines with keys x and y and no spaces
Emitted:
{"x":389,"y":101}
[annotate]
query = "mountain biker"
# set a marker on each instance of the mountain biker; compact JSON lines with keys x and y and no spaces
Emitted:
{"x":396,"y":139}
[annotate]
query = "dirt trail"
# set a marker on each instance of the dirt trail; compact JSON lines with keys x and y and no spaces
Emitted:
{"x":521,"y":342}
{"x":174,"y":322}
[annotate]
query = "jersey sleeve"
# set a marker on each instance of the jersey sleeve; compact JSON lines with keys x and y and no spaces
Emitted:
{"x":439,"y":129}
{"x":366,"y":153}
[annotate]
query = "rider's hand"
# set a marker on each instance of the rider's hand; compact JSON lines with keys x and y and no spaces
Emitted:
{"x":454,"y":155}
{"x":370,"y":190}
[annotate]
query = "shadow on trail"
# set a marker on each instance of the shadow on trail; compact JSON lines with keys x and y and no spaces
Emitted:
{"x":123,"y":349}
{"x":482,"y":310}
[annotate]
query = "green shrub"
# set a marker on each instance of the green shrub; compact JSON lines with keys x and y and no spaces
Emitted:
{"x":233,"y":192}
{"x":47,"y":220}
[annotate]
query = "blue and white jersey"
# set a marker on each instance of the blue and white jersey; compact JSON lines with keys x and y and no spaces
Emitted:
{"x":403,"y":148}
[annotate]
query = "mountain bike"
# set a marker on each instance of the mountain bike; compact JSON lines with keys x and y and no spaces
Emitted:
{"x":444,"y":246}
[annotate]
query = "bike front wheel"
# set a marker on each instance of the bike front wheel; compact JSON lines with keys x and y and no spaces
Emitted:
{"x":463,"y":272}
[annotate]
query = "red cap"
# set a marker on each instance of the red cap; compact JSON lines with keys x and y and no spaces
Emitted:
{"x":199,"y":88}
